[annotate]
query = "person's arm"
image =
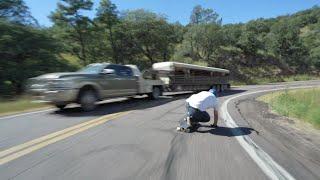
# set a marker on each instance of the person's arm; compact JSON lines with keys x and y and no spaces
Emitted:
{"x":215,"y":112}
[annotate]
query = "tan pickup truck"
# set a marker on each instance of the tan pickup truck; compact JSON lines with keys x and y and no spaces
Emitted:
{"x":95,"y":82}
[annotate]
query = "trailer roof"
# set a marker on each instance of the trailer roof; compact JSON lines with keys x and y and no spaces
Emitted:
{"x":170,"y":66}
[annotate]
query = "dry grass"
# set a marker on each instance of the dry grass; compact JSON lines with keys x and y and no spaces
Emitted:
{"x":19,"y":105}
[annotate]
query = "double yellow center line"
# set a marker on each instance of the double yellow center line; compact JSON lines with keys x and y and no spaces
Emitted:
{"x":33,"y":145}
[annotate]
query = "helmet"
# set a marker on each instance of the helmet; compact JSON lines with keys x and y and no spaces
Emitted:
{"x":213,"y":91}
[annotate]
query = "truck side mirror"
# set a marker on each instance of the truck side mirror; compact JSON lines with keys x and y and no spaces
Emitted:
{"x":108,"y":71}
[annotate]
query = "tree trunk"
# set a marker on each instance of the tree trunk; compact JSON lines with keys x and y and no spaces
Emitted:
{"x":82,"y":55}
{"x":114,"y":48}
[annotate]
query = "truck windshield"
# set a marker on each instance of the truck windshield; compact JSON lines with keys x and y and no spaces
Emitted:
{"x":92,"y":69}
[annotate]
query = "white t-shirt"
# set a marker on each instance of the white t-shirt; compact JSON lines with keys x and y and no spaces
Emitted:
{"x":203,"y":101}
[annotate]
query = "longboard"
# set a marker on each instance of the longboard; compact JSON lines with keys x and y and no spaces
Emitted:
{"x":183,"y":126}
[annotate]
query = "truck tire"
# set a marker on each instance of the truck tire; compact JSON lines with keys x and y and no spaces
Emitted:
{"x":88,"y":100}
{"x":61,"y":106}
{"x":156,"y":93}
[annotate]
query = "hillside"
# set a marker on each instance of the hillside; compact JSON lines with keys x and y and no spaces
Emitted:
{"x":261,"y":49}
{"x":258,"y":51}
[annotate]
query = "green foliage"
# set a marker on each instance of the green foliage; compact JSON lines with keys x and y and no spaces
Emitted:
{"x":201,"y":41}
{"x":7,"y":88}
{"x":149,"y":35}
{"x":107,"y":19}
{"x":311,"y":39}
{"x":232,"y":33}
{"x":16,"y":11}
{"x":200,"y":15}
{"x":25,"y":52}
{"x":78,"y":28}
{"x":248,"y":42}
{"x":289,"y":43}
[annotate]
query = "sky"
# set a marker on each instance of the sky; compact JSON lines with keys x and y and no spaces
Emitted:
{"x":231,"y":11}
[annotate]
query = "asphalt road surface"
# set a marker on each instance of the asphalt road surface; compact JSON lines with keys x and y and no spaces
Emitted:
{"x":136,"y":139}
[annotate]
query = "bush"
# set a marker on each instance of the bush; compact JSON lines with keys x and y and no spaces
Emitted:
{"x":6,"y":89}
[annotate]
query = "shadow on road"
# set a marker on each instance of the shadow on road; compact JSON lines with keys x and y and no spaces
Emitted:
{"x":226,"y":131}
{"x":119,"y":105}
{"x":127,"y":104}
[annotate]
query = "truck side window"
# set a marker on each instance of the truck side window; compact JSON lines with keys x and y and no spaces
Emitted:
{"x":114,"y":67}
{"x":125,"y":71}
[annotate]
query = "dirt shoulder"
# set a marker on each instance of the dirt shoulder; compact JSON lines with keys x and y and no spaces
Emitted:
{"x":298,"y":140}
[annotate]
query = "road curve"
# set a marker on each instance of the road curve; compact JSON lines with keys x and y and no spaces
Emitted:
{"x":142,"y":143}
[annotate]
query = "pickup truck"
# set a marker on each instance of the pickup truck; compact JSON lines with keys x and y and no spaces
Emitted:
{"x":93,"y":83}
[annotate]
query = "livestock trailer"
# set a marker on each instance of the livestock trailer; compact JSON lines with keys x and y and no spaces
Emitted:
{"x":189,"y":77}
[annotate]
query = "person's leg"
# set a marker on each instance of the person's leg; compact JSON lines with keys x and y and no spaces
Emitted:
{"x":203,"y":116}
{"x":190,"y":114}
{"x":194,"y":115}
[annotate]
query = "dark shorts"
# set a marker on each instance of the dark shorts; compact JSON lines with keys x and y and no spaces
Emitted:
{"x":196,"y":115}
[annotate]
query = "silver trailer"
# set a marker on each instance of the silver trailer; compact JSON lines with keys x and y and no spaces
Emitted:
{"x":188,"y":77}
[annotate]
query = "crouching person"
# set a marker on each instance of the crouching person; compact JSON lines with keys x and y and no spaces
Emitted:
{"x":197,"y":104}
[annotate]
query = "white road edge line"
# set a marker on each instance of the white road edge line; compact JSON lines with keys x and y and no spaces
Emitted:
{"x":27,"y":113}
{"x":271,"y":168}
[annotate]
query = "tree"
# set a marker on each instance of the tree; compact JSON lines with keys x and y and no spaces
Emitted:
{"x":232,"y":33}
{"x":16,"y":11}
{"x":287,"y":45}
{"x":252,"y":36}
{"x":203,"y":35}
{"x":202,"y":41}
{"x":150,"y":34}
{"x":249,"y":42}
{"x":26,"y":52}
{"x":201,"y":15}
{"x":107,"y":18}
{"x":68,"y":16}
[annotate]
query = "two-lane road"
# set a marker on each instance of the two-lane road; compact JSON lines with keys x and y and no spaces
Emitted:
{"x":136,"y":139}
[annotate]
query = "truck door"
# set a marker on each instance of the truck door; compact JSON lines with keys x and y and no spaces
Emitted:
{"x":123,"y":82}
{"x":129,"y":81}
{"x":109,"y":84}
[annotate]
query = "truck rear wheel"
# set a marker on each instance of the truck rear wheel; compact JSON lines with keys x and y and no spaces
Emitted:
{"x":156,"y":93}
{"x":88,"y":100}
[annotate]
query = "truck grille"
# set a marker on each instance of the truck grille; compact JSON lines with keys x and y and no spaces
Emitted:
{"x":40,"y":85}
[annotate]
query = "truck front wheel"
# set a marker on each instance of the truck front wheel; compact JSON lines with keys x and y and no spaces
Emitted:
{"x":156,"y":93}
{"x":88,"y":100}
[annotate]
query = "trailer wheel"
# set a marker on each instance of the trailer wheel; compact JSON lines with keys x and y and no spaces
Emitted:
{"x":155,"y":94}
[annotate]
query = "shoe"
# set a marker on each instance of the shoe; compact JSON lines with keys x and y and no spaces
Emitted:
{"x":182,"y":129}
{"x":214,"y":125}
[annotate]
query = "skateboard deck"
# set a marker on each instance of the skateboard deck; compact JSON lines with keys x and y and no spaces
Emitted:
{"x":183,"y":126}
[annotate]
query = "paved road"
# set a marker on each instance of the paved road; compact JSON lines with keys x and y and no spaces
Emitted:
{"x":140,"y":142}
